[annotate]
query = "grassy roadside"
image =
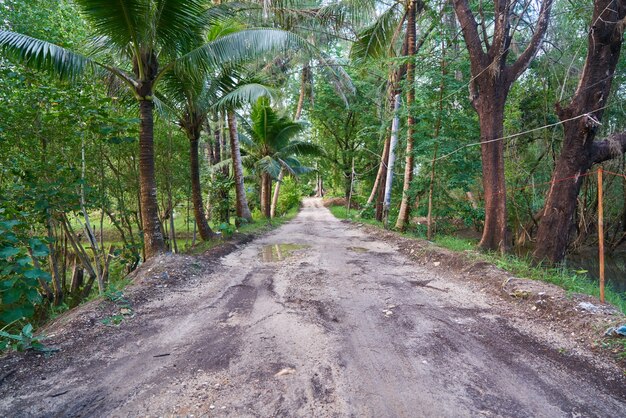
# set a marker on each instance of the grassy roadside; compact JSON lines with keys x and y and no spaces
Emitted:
{"x":571,"y":281}
{"x":256,"y":227}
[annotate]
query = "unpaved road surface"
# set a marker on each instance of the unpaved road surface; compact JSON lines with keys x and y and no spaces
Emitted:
{"x":337,"y":324}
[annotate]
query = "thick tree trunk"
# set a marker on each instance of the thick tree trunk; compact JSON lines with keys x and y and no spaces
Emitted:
{"x":281,"y":176}
{"x":405,"y":205}
{"x":495,"y":233}
{"x":242,"y":209}
{"x":196,"y":189}
{"x":154,"y":243}
{"x":581,"y":119}
{"x":491,"y":81}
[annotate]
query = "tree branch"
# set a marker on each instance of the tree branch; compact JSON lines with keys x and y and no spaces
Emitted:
{"x":609,"y":148}
{"x":469,"y":26}
{"x":523,"y":61}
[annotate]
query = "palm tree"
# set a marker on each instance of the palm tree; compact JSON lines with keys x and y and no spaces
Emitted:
{"x":272,"y":148}
{"x":191,"y":97}
{"x":138,"y":42}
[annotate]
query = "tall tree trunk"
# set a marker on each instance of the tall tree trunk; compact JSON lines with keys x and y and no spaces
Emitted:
{"x":495,"y":233}
{"x":581,"y":119}
{"x":391,"y":158}
{"x":405,"y":205}
{"x":196,"y":189}
{"x":491,"y":81}
{"x":242,"y":209}
{"x":380,"y":176}
{"x":306,"y":69}
{"x":266,"y":185}
{"x":281,"y":176}
{"x":154,"y":243}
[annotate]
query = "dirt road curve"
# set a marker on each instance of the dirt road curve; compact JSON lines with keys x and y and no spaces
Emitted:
{"x":342,"y":325}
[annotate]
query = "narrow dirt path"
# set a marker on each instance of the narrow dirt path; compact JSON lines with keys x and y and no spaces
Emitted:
{"x":337,"y":324}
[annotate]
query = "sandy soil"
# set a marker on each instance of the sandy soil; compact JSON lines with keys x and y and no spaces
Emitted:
{"x":341,"y":322}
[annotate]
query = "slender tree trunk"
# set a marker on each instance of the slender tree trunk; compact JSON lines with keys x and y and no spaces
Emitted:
{"x":381,"y":169}
{"x":392,"y":158}
{"x":196,"y":189}
{"x":405,"y":205}
{"x":281,"y":176}
{"x":303,"y":87}
{"x":266,"y":186}
{"x":581,"y":119}
{"x":154,"y":243}
{"x":242,"y":209}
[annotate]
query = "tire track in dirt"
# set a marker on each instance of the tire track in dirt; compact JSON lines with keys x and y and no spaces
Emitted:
{"x":343,"y":326}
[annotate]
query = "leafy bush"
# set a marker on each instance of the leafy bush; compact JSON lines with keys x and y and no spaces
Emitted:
{"x":19,"y":278}
{"x":289,"y":197}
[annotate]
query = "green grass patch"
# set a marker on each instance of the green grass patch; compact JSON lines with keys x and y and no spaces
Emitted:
{"x":341,"y":212}
{"x":258,"y":225}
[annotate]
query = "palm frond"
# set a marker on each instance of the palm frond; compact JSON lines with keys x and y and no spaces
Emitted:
{"x":240,"y":47}
{"x":269,"y":165}
{"x":246,"y":93}
{"x":42,"y":55}
{"x":124,"y":22}
{"x":301,"y":148}
{"x":179,"y":24}
{"x":376,"y":41}
{"x":288,"y":130}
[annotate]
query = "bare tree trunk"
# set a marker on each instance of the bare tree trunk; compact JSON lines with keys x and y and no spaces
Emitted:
{"x":266,"y":185}
{"x":281,"y":176}
{"x":154,"y":243}
{"x":495,"y":232}
{"x":405,"y":205}
{"x":196,"y":189}
{"x":242,"y":209}
{"x":491,"y":81}
{"x":381,"y":169}
{"x":392,"y":157}
{"x":306,"y":69}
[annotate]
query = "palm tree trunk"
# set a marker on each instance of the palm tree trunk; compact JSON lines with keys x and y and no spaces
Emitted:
{"x":403,"y":216}
{"x":266,"y":185}
{"x":303,"y":83}
{"x":196,"y":190}
{"x":242,"y":209}
{"x":391,"y":158}
{"x":281,"y":176}
{"x":154,"y":243}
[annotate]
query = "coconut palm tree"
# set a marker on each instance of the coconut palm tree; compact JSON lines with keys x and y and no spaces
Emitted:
{"x":138,"y":42}
{"x":272,"y":148}
{"x":191,"y":97}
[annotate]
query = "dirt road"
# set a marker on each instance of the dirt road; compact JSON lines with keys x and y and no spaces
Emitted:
{"x":336,"y":323}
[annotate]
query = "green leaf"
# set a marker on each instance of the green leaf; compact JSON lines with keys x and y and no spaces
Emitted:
{"x":8,"y":252}
{"x":38,"y":247}
{"x":37,"y":274}
{"x":28,"y":330}
{"x":11,"y":296}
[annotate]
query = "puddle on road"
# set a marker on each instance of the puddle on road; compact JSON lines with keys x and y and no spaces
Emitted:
{"x":358,"y":249}
{"x":278,"y":252}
